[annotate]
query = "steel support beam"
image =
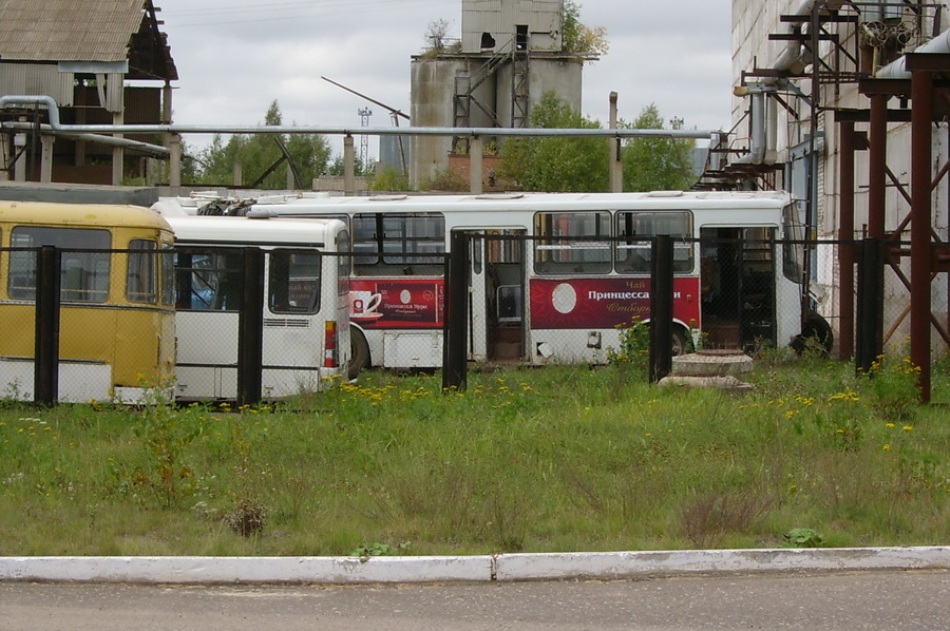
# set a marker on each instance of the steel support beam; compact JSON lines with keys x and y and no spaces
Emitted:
{"x":877,"y":166}
{"x":846,"y":248}
{"x":920,"y":232}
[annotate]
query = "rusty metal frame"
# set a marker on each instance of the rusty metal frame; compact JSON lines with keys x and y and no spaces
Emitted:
{"x":929,"y":255}
{"x":929,"y":89}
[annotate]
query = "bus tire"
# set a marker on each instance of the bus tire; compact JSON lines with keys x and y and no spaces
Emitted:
{"x":359,"y":353}
{"x":816,"y":335}
{"x":679,"y":340}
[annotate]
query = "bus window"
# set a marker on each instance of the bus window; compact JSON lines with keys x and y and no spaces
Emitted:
{"x":399,"y":243}
{"x":84,"y":273}
{"x":142,"y":278}
{"x":168,"y":276}
{"x":209,"y":279}
{"x":344,"y":263}
{"x":633,"y":254}
{"x":558,"y":252}
{"x":294,"y":282}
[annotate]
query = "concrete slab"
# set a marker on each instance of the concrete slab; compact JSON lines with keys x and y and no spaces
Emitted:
{"x":712,"y":363}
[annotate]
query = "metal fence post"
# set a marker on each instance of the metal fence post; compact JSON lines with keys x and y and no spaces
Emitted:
{"x":46,"y":343}
{"x":869,"y":329}
{"x":661,"y":308}
{"x":454,"y":371}
{"x":251,"y":329}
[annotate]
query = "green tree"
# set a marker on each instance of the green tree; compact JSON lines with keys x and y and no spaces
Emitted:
{"x":556,"y":163}
{"x":390,"y":179}
{"x":336,"y":167}
{"x":656,"y":164}
{"x":259,"y":153}
{"x":578,"y":39}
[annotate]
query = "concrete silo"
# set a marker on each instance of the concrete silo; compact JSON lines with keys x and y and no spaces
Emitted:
{"x":510,"y":54}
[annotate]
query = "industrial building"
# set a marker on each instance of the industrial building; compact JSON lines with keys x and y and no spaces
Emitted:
{"x":845,"y":105}
{"x":509,"y":55}
{"x":98,"y":62}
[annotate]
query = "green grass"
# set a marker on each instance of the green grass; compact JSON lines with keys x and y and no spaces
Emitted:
{"x":552,"y":459}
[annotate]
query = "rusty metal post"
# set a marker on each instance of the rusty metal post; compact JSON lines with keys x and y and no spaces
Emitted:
{"x":46,"y":336}
{"x":870,"y":324}
{"x":877,"y":166}
{"x":846,"y":243}
{"x":921,"y":122}
{"x":251,"y":330}
{"x":455,"y":333}
{"x":661,"y":307}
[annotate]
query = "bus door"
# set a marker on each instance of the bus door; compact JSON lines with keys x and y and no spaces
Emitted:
{"x":738,"y":286}
{"x":502,"y":308}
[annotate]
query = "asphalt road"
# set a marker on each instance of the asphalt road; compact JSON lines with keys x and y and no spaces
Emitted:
{"x":918,"y":599}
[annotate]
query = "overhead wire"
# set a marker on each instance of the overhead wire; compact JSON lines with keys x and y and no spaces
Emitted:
{"x":265,"y":12}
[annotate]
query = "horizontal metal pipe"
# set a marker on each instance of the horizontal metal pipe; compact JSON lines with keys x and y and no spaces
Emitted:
{"x":56,"y":128}
{"x":50,"y":103}
{"x":471,"y":132}
{"x":897,"y":69}
{"x":94,"y":132}
{"x":116,"y":142}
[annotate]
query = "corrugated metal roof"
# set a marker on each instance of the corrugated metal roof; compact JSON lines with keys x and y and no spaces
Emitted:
{"x":68,"y":30}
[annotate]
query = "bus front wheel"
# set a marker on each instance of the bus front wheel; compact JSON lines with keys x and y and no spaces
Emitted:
{"x":359,"y":353}
{"x":679,"y":341}
{"x":816,"y":336}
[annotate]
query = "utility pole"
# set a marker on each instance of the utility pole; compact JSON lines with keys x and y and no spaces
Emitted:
{"x":393,"y":112}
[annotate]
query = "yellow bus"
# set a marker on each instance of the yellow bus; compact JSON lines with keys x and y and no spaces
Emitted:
{"x":117,"y":315}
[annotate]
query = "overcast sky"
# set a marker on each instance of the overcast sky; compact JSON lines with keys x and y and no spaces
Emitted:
{"x":235,"y":57}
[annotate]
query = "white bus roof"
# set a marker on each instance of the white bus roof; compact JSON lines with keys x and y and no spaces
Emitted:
{"x":246,"y":231}
{"x":526,"y":201}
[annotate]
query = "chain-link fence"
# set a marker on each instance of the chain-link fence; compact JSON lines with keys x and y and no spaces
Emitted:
{"x":258,"y":324}
{"x":538,"y":302}
{"x":85,"y":325}
{"x":246,"y":324}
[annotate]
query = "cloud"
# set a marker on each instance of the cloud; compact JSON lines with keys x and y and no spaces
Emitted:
{"x":235,"y":58}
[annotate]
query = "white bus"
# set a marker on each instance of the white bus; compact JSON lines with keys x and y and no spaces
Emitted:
{"x":306,"y":342}
{"x":556,"y":276}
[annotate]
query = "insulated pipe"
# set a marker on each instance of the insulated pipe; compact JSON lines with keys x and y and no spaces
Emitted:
{"x":57,"y":129}
{"x":465,"y":132}
{"x":48,"y":101}
{"x":791,"y":57}
{"x":764,"y":141}
{"x":897,"y":69}
{"x":794,"y":51}
{"x":758,"y":126}
{"x":771,"y":132}
{"x":758,"y":108}
{"x":117,"y":142}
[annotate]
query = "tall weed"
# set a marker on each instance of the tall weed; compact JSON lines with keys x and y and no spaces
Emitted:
{"x":552,"y":459}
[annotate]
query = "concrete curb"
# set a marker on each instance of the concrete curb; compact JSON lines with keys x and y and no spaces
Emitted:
{"x":479,"y":568}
